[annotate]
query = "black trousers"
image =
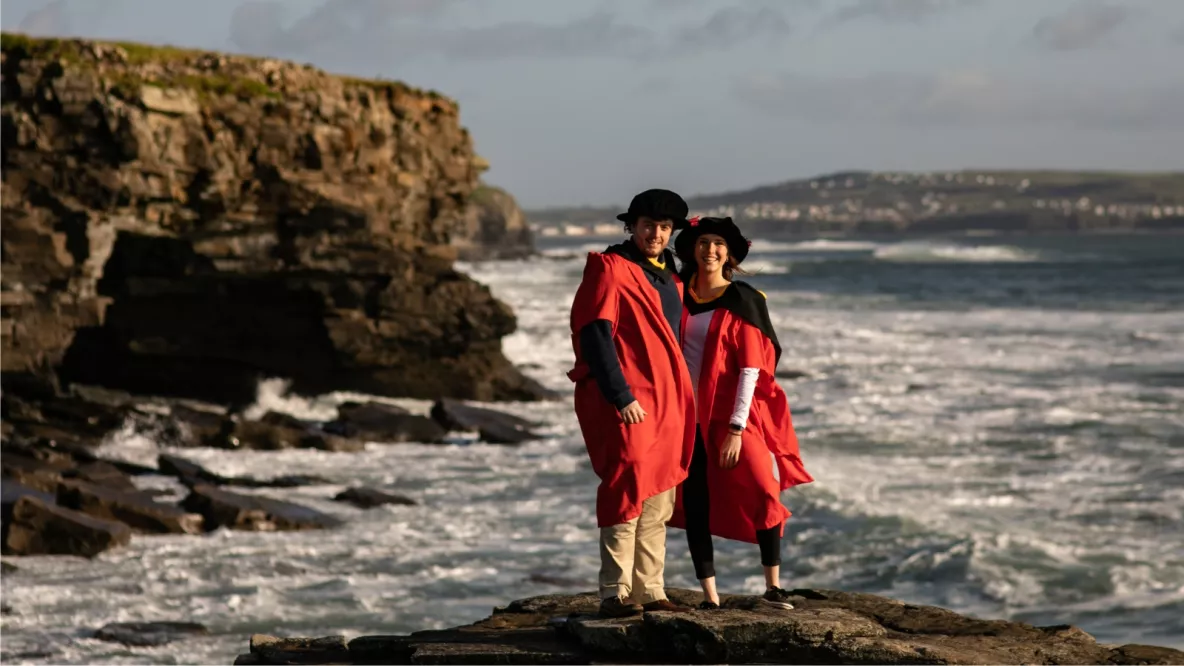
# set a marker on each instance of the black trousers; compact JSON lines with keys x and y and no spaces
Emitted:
{"x":696,"y":501}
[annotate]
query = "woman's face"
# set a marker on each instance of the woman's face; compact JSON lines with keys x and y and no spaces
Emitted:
{"x":711,"y":252}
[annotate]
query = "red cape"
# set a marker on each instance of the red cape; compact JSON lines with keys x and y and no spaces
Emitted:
{"x":634,"y":462}
{"x":747,"y":497}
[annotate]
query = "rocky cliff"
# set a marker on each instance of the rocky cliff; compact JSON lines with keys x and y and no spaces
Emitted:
{"x":183,"y":223}
{"x":492,"y":227}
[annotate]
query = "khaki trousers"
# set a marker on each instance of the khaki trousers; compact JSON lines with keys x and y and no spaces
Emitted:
{"x":633,"y":554}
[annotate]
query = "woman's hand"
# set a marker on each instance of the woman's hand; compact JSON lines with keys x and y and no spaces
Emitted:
{"x":729,"y":453}
{"x":633,"y":413}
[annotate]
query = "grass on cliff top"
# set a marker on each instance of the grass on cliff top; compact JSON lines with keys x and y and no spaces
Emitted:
{"x":69,"y":50}
{"x":127,"y":83}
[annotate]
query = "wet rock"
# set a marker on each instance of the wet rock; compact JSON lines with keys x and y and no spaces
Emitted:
{"x":222,"y":508}
{"x":285,"y":481}
{"x":492,"y":426}
{"x":190,"y":473}
{"x":102,"y":473}
{"x":56,"y":419}
{"x":556,"y":580}
{"x":276,"y":431}
{"x":273,"y":650}
{"x":8,"y":567}
{"x":790,"y":373}
{"x":368,"y":498}
{"x":136,"y":510}
{"x":5,"y":609}
{"x":144,"y":634}
{"x":42,"y":528}
{"x":40,"y":474}
{"x":12,"y":490}
{"x":377,"y":422}
{"x":185,"y":426}
{"x":187,"y":472}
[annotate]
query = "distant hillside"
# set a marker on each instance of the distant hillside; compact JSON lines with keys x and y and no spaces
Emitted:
{"x":862,"y":201}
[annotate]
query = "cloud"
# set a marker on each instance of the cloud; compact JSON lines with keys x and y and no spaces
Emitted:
{"x":345,"y":33}
{"x":1081,"y":26}
{"x":964,"y":98}
{"x":52,"y":19}
{"x":66,"y":18}
{"x":674,"y":5}
{"x":335,"y":25}
{"x":348,"y":32}
{"x":895,"y":11}
{"x":1178,"y":35}
{"x":735,"y":24}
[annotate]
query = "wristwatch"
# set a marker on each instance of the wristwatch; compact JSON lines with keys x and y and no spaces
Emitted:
{"x":735,"y":429}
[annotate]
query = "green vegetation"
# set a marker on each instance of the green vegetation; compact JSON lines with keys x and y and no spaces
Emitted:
{"x":485,"y":194}
{"x":126,"y":83}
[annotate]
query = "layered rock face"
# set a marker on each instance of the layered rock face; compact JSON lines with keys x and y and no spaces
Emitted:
{"x":185,"y":223}
{"x":492,"y":227}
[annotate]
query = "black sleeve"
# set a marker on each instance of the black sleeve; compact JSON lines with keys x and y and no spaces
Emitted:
{"x":597,"y":349}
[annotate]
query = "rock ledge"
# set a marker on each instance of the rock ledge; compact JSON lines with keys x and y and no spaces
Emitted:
{"x":826,"y":627}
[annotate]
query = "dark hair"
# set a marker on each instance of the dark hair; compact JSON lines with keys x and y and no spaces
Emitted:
{"x":633,"y":223}
{"x":690,"y":266}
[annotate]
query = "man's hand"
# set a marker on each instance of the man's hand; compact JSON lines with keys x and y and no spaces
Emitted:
{"x":633,"y":413}
{"x":729,"y":453}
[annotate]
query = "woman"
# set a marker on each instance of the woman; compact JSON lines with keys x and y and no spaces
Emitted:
{"x":742,"y":414}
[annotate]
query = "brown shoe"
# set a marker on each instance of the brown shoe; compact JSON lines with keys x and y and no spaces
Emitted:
{"x":665,"y":605}
{"x":618,"y":607}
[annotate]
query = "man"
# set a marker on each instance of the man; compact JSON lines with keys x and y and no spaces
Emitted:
{"x":634,"y":400}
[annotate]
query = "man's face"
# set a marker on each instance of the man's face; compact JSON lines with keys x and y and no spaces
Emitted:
{"x":652,"y":235}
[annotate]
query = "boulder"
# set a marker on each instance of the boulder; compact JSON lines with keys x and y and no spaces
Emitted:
{"x":378,"y":422}
{"x":147,"y":634}
{"x":277,"y":431}
{"x":102,"y":473}
{"x":12,"y":490}
{"x":40,"y":474}
{"x":186,"y":426}
{"x":492,"y":227}
{"x":273,"y":650}
{"x":368,"y":498}
{"x":190,"y":473}
{"x":137,"y":510}
{"x":491,"y":426}
{"x":187,"y":472}
{"x":222,"y":508}
{"x":41,"y":528}
{"x":789,"y":373}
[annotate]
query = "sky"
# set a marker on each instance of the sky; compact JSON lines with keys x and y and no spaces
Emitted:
{"x":579,"y":102}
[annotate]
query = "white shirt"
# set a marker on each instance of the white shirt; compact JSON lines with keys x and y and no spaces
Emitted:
{"x":694,"y":343}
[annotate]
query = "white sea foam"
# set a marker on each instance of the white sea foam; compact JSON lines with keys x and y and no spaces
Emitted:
{"x":975,"y":459}
{"x":927,"y":251}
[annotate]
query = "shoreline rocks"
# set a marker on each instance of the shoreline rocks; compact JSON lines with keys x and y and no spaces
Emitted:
{"x":80,"y":504}
{"x":826,"y":626}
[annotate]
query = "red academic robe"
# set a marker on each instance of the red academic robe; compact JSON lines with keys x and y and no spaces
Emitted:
{"x":633,"y":462}
{"x":747,"y":497}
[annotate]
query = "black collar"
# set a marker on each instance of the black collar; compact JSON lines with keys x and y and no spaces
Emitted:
{"x":630,"y":251}
{"x":742,"y":300}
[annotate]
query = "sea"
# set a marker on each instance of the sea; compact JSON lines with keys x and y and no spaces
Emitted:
{"x":995,"y":425}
